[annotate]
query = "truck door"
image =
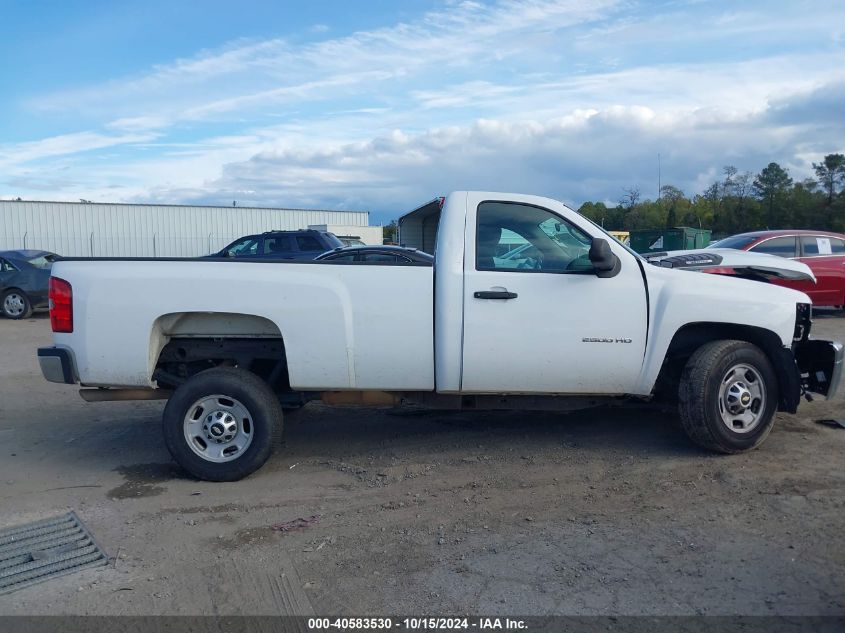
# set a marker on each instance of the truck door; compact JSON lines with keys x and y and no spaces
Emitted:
{"x":537,"y":319}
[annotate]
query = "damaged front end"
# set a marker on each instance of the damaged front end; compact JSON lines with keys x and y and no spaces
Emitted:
{"x":734,"y":263}
{"x":819,"y":362}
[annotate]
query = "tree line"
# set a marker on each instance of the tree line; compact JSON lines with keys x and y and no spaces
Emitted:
{"x":738,"y":202}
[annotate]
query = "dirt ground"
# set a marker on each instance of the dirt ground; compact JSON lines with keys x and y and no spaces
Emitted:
{"x":605,"y":511}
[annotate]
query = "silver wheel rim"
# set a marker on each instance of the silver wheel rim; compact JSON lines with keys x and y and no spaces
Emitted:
{"x":14,"y":304}
{"x":218,"y":428}
{"x":742,"y":398}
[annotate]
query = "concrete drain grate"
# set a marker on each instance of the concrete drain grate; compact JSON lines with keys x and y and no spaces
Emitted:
{"x":45,"y":549}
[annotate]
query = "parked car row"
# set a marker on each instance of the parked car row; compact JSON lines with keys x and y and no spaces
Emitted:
{"x":25,"y":274}
{"x":313,"y":244}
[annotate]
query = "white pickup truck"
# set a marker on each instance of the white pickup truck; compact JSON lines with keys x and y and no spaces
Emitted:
{"x":528,"y":306}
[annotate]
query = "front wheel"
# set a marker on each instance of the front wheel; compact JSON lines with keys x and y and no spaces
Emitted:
{"x":16,"y":305}
{"x":219,"y":425}
{"x":728,"y":396}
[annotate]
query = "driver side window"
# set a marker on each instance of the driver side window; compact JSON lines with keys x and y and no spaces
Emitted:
{"x":521,"y":237}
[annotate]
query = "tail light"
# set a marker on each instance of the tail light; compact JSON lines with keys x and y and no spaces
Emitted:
{"x":61,"y":305}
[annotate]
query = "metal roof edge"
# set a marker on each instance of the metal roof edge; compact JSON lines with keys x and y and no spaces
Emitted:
{"x":188,"y":206}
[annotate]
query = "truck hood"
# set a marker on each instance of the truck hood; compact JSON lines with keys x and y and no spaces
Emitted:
{"x":731,"y":261}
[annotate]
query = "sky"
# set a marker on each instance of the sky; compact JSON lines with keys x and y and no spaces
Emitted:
{"x":382,"y":105}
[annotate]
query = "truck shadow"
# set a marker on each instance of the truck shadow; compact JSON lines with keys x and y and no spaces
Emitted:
{"x":113,"y":443}
{"x":321,"y":430}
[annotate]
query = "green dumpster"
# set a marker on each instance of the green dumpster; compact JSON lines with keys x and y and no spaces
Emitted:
{"x":680,"y":238}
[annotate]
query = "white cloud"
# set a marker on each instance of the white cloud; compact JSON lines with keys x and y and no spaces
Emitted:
{"x":64,"y":144}
{"x":585,"y":154}
{"x":250,"y":74}
{"x":138,"y":123}
{"x":298,"y":93}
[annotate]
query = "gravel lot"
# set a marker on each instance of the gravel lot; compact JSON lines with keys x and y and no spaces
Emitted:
{"x":607,"y":511}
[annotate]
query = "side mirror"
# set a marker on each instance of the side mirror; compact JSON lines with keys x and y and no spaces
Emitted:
{"x":605,"y":263}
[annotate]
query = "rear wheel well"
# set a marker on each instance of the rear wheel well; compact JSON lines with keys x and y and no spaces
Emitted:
{"x":692,"y":336}
{"x":183,"y":357}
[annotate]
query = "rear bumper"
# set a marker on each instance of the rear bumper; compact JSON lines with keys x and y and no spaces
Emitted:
{"x":821,"y":365}
{"x":57,"y":365}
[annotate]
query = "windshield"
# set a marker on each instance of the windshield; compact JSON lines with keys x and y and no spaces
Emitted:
{"x":45,"y":260}
{"x":738,"y":242}
{"x":244,"y":246}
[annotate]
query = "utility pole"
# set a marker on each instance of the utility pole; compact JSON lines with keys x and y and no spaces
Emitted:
{"x":659,"y":188}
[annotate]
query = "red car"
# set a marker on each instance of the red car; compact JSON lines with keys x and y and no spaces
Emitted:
{"x":822,"y":251}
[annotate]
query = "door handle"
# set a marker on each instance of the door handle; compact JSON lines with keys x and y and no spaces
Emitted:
{"x":494,"y":294}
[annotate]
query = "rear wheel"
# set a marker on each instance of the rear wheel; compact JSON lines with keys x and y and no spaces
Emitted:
{"x":15,"y":304}
{"x":728,"y":396}
{"x":219,"y":424}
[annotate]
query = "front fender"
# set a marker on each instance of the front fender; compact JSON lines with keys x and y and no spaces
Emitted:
{"x":680,"y":298}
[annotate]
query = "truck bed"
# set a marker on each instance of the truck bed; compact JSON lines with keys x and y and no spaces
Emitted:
{"x":344,"y":326}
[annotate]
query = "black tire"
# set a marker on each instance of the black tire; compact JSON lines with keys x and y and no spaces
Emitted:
{"x":21,"y":297}
{"x":701,"y":403}
{"x":263,"y":421}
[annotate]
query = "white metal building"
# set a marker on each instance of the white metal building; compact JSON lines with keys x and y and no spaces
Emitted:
{"x":88,"y":229}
